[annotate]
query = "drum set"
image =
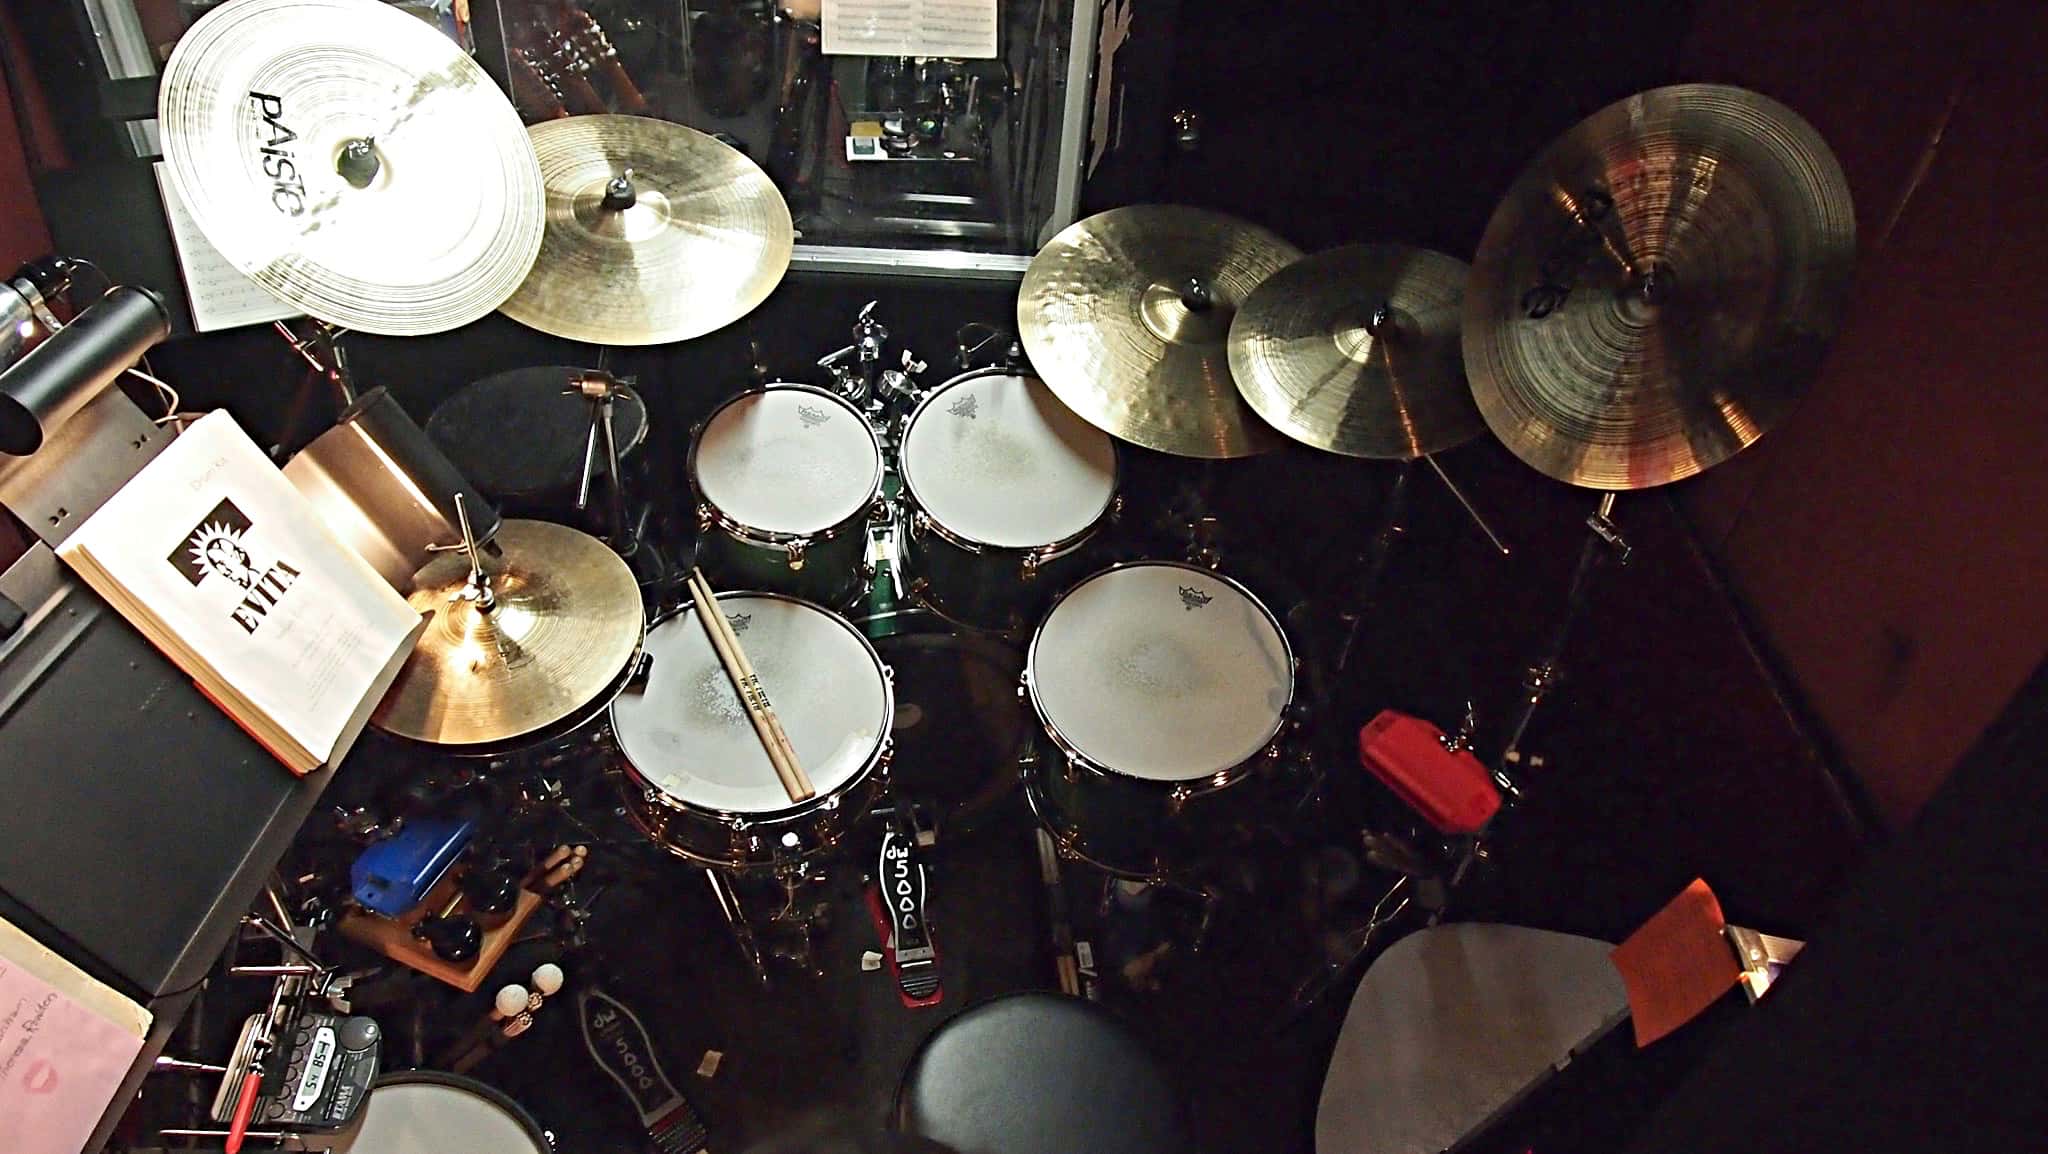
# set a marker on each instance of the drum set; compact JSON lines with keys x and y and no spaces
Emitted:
{"x":1649,"y":299}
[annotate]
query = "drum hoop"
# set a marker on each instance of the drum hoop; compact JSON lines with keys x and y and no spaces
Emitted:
{"x":725,"y":521}
{"x":967,"y":541}
{"x":749,"y":818}
{"x":1073,"y":749}
{"x":525,"y":1119}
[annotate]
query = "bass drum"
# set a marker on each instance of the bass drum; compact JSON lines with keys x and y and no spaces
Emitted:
{"x":694,"y":775}
{"x":1161,"y":686}
{"x":1004,"y":488}
{"x":428,"y":1112}
{"x":787,"y":479}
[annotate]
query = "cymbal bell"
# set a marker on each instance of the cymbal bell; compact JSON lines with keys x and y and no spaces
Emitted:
{"x":1355,"y":350}
{"x":352,"y":161}
{"x":1126,"y":316}
{"x":1658,"y":288}
{"x":655,"y":233}
{"x":564,"y":621}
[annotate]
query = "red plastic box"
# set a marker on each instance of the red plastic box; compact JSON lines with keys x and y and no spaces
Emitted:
{"x":1452,"y":791}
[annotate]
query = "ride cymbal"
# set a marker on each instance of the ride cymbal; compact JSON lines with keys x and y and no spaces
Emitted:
{"x":1356,"y":351}
{"x":352,"y":161}
{"x":655,"y":233}
{"x":1125,"y":316}
{"x":1659,"y":287}
{"x":566,"y":619}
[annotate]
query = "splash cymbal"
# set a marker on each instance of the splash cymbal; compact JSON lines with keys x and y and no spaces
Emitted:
{"x":1356,"y":351}
{"x":655,"y":233}
{"x":1659,"y":286}
{"x":351,"y":160}
{"x":1126,"y":317}
{"x":565,"y":620}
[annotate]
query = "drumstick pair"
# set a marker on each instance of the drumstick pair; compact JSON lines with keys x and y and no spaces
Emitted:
{"x":766,"y":725}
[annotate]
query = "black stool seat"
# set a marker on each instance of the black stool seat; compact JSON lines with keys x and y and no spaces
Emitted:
{"x":519,"y":437}
{"x":1039,"y":1074}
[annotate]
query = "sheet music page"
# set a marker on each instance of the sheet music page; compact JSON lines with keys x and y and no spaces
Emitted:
{"x":213,"y":540}
{"x":66,"y":1042}
{"x":219,"y":295}
{"x":963,"y":29}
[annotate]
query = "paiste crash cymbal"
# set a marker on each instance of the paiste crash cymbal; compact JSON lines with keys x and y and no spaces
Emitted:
{"x":1659,"y":287}
{"x":1356,"y":351}
{"x":352,"y":161}
{"x":655,"y":233}
{"x":1126,"y":317}
{"x":566,"y":620}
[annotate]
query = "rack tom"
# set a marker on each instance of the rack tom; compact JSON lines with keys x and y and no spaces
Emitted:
{"x":1004,"y":487}
{"x":695,"y":777}
{"x":787,"y":479}
{"x":1161,"y":686}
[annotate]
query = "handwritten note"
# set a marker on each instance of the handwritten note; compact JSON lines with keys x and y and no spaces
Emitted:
{"x":61,"y":1062}
{"x":219,"y":295}
{"x":963,"y":29}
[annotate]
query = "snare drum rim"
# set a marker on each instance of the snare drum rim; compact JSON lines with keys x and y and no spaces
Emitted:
{"x":745,"y":819}
{"x":1047,"y":551}
{"x":542,"y":1139}
{"x":722,"y":521}
{"x":1216,"y":779}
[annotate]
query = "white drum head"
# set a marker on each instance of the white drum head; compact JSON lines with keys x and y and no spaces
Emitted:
{"x":432,"y":1118}
{"x":787,"y":460}
{"x":688,"y":735}
{"x":1163,"y":672}
{"x":999,"y":460}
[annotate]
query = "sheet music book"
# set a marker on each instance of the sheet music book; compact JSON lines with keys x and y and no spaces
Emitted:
{"x":962,"y":29}
{"x":225,"y":567}
{"x":219,"y":295}
{"x":66,"y":1043}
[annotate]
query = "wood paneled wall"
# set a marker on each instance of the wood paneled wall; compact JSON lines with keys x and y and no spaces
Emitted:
{"x":1889,"y":538}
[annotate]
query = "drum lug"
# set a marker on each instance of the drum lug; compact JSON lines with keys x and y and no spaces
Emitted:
{"x":1116,"y":509}
{"x":1024,"y":686}
{"x":1177,"y":799}
{"x":1031,"y":563}
{"x":705,"y":517}
{"x":795,"y":549}
{"x":1070,"y":771}
{"x":879,"y":512}
{"x":636,"y":676}
{"x":919,"y":524}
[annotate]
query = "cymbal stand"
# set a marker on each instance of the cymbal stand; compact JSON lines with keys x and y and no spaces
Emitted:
{"x":602,"y":390}
{"x":1393,"y":524}
{"x":477,"y":588}
{"x":736,"y":920}
{"x":331,"y":360}
{"x":1603,"y":539}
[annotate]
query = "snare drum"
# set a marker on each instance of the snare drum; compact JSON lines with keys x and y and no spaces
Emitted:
{"x":428,"y":1112}
{"x":787,"y":479}
{"x":694,"y":775}
{"x":1161,"y":685}
{"x":1004,"y":488}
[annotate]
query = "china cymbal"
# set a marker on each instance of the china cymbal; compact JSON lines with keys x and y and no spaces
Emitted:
{"x":1659,"y":287}
{"x":439,"y":216}
{"x":566,"y":620}
{"x":694,"y":238}
{"x":1126,"y":316}
{"x":1356,"y":351}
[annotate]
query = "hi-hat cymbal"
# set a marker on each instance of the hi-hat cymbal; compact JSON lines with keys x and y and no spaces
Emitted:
{"x":565,"y":621}
{"x":265,"y":102}
{"x":1126,"y":316}
{"x":693,"y":238}
{"x":1659,"y":287}
{"x":1356,"y":351}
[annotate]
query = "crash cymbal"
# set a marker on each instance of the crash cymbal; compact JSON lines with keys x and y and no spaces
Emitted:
{"x":1356,"y":351}
{"x":1659,"y":287}
{"x":1126,"y":315}
{"x":439,"y":216}
{"x":692,"y":239}
{"x":565,"y":621}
